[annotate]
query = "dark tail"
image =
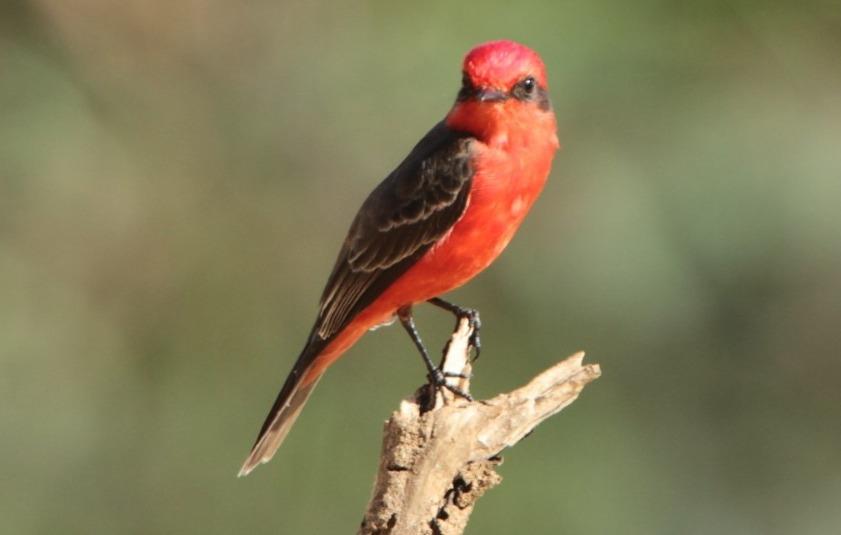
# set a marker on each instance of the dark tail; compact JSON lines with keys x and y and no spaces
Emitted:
{"x":285,"y":410}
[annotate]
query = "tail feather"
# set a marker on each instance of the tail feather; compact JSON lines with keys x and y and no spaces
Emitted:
{"x":291,"y":399}
{"x":277,"y":426}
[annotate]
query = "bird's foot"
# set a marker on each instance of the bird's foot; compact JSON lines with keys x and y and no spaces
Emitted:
{"x":438,"y":380}
{"x":471,"y":315}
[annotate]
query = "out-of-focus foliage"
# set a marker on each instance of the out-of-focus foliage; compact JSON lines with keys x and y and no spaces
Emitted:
{"x":175,"y":178}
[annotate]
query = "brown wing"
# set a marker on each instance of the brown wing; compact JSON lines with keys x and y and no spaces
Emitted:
{"x":402,"y":218}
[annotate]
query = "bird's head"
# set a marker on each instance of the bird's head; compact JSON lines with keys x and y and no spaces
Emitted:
{"x":503,"y":85}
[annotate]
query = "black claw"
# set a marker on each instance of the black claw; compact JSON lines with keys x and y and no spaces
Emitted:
{"x":474,"y":339}
{"x":438,"y":379}
{"x":456,"y":390}
{"x":472,"y":315}
{"x":459,"y":392}
{"x":456,"y":375}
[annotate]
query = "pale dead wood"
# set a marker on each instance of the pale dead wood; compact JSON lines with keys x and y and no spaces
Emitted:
{"x":435,"y":465}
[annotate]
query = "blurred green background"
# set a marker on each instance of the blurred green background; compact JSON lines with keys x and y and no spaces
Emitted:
{"x":175,"y":180}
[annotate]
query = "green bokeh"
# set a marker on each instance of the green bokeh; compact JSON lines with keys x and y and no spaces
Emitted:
{"x":176,"y":177}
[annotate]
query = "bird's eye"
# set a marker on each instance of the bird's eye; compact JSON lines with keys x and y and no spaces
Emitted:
{"x":525,"y":88}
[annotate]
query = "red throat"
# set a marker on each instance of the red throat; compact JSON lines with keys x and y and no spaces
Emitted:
{"x":505,"y":125}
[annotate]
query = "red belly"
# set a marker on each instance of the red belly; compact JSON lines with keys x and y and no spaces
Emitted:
{"x":497,"y":206}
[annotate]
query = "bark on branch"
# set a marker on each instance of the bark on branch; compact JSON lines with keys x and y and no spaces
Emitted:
{"x":435,"y":465}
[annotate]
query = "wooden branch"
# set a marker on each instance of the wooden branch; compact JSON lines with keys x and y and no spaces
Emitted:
{"x":435,"y":465}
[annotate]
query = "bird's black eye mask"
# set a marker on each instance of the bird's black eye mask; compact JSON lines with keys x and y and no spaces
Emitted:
{"x":468,"y":90}
{"x":526,"y":90}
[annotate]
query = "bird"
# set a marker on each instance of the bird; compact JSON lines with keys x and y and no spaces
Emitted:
{"x":442,"y":216}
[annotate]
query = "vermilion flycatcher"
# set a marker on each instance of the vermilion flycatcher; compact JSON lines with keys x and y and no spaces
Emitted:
{"x":435,"y":222}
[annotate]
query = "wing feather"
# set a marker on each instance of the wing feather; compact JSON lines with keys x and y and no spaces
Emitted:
{"x":402,"y":218}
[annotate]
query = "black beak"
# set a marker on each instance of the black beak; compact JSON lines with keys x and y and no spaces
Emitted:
{"x":491,"y":95}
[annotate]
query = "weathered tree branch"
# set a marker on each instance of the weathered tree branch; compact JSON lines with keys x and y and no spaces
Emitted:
{"x":435,"y":465}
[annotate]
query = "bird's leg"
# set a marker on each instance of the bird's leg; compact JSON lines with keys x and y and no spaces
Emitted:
{"x":472,"y":316}
{"x":437,"y":378}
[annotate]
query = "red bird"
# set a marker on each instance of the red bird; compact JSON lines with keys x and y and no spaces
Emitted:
{"x":434,"y":223}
